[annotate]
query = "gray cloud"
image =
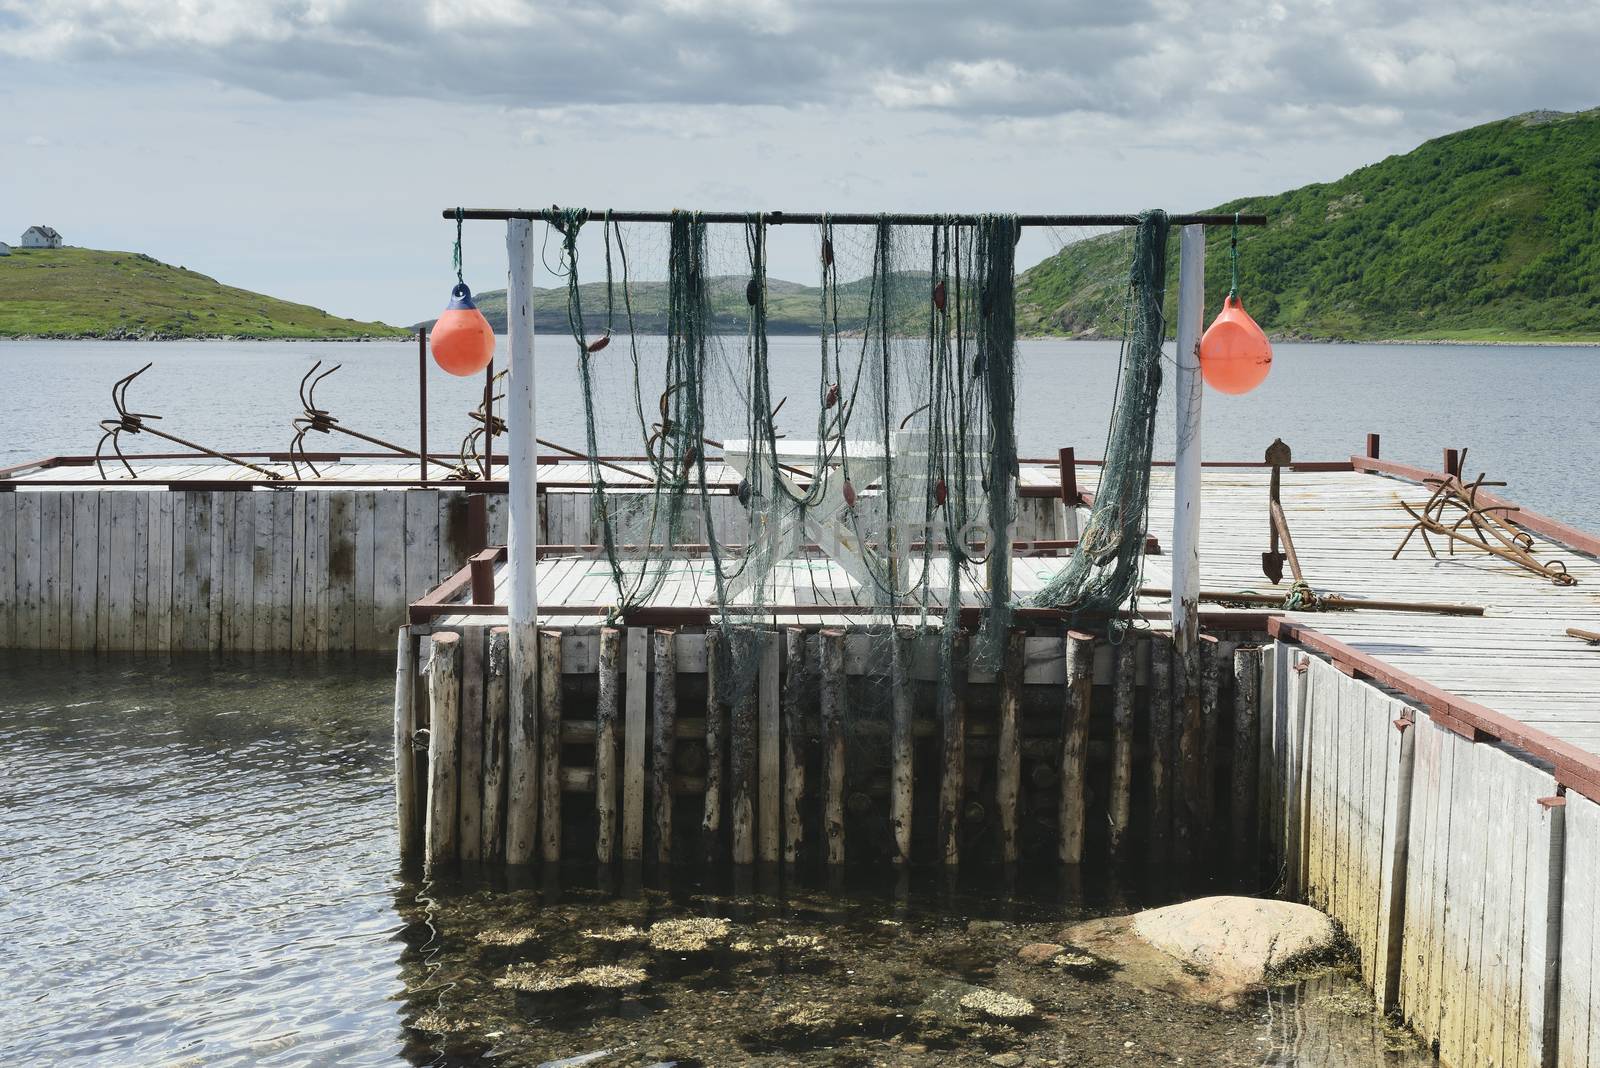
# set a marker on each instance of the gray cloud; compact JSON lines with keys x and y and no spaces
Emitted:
{"x":1345,"y":63}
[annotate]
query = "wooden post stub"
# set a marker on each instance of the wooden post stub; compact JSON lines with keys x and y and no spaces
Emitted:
{"x":767,"y":749}
{"x":718,"y":684}
{"x":608,"y":691}
{"x":953,"y":766}
{"x":408,"y":812}
{"x":1008,"y":761}
{"x":794,"y":763}
{"x":742,"y":757}
{"x":830,"y":657}
{"x":550,"y":745}
{"x":1452,"y":462}
{"x":1246,"y":752}
{"x":1079,"y":696}
{"x":1210,"y":716}
{"x":1372,"y":446}
{"x":1161,"y":746}
{"x":469,"y":814}
{"x":444,"y":724}
{"x":496,"y":739}
{"x":633,"y":735}
{"x":901,"y":772}
{"x":665,"y":709}
{"x":1125,"y":662}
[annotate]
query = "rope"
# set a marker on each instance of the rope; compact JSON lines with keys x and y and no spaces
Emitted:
{"x":1233,"y":249}
{"x":455,"y":256}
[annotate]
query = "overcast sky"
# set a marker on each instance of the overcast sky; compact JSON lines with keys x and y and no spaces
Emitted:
{"x":304,"y":148}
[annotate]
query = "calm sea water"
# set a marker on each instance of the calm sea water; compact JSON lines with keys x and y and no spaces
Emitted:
{"x":1526,"y":414}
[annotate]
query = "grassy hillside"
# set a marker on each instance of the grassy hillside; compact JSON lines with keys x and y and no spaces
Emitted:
{"x":79,"y":292}
{"x":1491,"y":233}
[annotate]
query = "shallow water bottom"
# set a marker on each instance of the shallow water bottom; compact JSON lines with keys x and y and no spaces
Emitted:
{"x":598,"y":972}
{"x":197,"y":867}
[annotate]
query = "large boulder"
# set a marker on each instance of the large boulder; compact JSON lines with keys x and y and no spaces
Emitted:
{"x":1211,"y":949}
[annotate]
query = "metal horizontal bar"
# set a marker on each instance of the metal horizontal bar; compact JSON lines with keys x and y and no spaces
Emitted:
{"x":813,"y":218}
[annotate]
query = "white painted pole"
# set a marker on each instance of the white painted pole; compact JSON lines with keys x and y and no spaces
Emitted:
{"x":522,"y":490}
{"x":1186,"y":502}
{"x":1186,"y":673}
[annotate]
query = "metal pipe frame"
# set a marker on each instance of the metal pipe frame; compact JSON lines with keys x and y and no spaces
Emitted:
{"x":815,"y":218}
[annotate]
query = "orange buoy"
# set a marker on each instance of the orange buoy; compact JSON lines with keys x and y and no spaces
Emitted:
{"x":461,"y":339}
{"x":1235,"y":355}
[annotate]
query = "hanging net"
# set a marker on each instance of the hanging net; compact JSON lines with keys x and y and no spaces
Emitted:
{"x":867,"y":470}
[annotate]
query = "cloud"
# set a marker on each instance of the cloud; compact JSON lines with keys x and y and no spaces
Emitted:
{"x":1143,"y":61}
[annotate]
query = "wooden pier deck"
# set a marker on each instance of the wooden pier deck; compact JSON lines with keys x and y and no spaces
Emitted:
{"x":1515,"y":660}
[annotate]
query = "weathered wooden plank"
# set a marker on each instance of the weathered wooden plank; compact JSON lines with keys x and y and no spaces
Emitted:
{"x":163,"y":582}
{"x":339,"y":621}
{"x":1121,"y":798}
{"x":389,"y":561}
{"x":49,"y":571}
{"x":768,"y":744}
{"x":262,"y":584}
{"x":421,"y":542}
{"x":119,"y":555}
{"x":719,"y":683}
{"x":444,"y":728}
{"x":301,"y":639}
{"x":29,"y":591}
{"x":1578,"y":994}
{"x":474,"y":676}
{"x":742,"y":758}
{"x":285,"y":535}
{"x":8,"y":569}
{"x":370,"y":625}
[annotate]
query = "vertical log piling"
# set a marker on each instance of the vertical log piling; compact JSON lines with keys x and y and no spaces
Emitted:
{"x":550,"y":745}
{"x":830,"y":657}
{"x":1008,"y":763}
{"x":794,"y":763}
{"x":444,"y":706}
{"x":607,"y":692}
{"x":1125,"y":660}
{"x":1159,"y":704}
{"x":1246,"y":749}
{"x":901,"y":772}
{"x":633,"y":744}
{"x":469,"y":815}
{"x":953,"y":769}
{"x":662,"y":741}
{"x":496,"y":712}
{"x":718,"y":683}
{"x":408,"y":814}
{"x":1075,"y":744}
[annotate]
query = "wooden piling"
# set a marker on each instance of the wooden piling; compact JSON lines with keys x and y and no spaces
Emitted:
{"x":794,"y":763}
{"x":444,"y":707}
{"x":633,"y":744}
{"x":1075,"y":744}
{"x":607,"y":691}
{"x":469,"y":813}
{"x":718,"y":682}
{"x":1210,"y":715}
{"x":767,"y":747}
{"x":953,"y":766}
{"x":830,"y":659}
{"x":1125,"y":660}
{"x":901,"y":772}
{"x":550,"y":745}
{"x":1246,"y":749}
{"x":1186,"y":693}
{"x":522,"y":753}
{"x":742,"y":758}
{"x":661,"y":740}
{"x":1008,"y":761}
{"x":408,"y":813}
{"x":1159,"y":704}
{"x":496,"y":714}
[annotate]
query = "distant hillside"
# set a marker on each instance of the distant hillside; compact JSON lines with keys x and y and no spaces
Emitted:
{"x":79,"y":292}
{"x":792,"y":308}
{"x":1491,"y":233}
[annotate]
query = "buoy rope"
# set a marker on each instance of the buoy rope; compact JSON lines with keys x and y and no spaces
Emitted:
{"x":455,"y":257}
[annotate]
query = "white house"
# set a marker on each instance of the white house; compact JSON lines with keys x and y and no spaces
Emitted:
{"x":5,"y":249}
{"x":41,"y":237}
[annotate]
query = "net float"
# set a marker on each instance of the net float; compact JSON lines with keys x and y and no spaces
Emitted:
{"x":1235,"y":354}
{"x":462,"y":340}
{"x":849,"y":494}
{"x":941,"y":493}
{"x":827,"y":252}
{"x":938,"y":296}
{"x":600,"y":342}
{"x":752,"y":292}
{"x":832,"y":397}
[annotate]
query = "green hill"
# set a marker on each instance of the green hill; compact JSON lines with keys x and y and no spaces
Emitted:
{"x":1491,"y":233}
{"x":80,"y":292}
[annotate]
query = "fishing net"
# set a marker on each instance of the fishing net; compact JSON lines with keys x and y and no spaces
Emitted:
{"x":1104,"y":572}
{"x":863,"y":470}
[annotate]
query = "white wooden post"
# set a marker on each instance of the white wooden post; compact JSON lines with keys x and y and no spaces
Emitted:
{"x":1186,"y":501}
{"x":523,"y":491}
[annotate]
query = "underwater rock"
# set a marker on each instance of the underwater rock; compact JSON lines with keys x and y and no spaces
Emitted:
{"x":1210,"y":950}
{"x":533,"y":979}
{"x":507,"y":936}
{"x":1238,"y":939}
{"x":694,"y":935}
{"x":997,"y":1006}
{"x":1006,"y":1060}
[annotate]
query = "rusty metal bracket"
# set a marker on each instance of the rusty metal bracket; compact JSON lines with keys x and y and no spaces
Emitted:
{"x":1491,"y":531}
{"x":129,"y":422}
